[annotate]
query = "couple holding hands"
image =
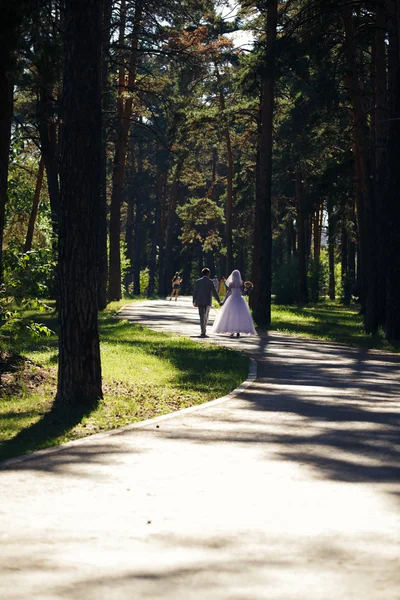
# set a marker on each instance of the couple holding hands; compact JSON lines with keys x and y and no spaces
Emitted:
{"x":234,"y":316}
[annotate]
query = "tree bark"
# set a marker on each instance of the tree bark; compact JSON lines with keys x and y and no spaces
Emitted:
{"x":6,"y":112}
{"x":35,"y":207}
{"x":393,"y":175}
{"x":79,"y":367}
{"x":10,"y":21}
{"x":344,"y":254}
{"x":102,"y":259}
{"x":331,"y":254}
{"x":367,"y":246}
{"x":229,"y":179}
{"x":155,"y":238}
{"x":362,"y":240}
{"x":129,"y":233}
{"x":137,"y":229}
{"x":48,"y":144}
{"x":187,"y":269}
{"x":301,"y":240}
{"x":161,"y":259}
{"x":255,"y":267}
{"x":380,"y":153}
{"x":124,"y":111}
{"x":171,"y":220}
{"x":262,"y":304}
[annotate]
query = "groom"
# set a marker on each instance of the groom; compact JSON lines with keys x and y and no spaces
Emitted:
{"x":203,"y":290}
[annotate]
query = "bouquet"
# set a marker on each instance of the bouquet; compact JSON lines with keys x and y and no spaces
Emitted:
{"x":248,"y":286}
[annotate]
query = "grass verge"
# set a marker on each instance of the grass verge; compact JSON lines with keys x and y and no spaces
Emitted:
{"x":145,"y":374}
{"x":329,"y":321}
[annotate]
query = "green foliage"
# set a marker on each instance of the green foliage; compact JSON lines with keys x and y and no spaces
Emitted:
{"x":317,"y":279}
{"x":339,"y":284}
{"x":199,"y":217}
{"x":125,"y":263}
{"x":285,"y":284}
{"x":14,"y":322}
{"x":29,"y":274}
{"x":144,"y":281}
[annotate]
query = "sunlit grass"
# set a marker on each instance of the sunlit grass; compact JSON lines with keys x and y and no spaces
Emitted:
{"x":145,"y":374}
{"x":330,"y":321}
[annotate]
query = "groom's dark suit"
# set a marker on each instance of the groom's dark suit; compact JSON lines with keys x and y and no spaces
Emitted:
{"x":204,"y":289}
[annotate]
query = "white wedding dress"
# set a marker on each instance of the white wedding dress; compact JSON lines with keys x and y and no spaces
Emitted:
{"x":234,"y":316}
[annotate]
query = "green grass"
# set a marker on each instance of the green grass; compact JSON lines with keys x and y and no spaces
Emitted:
{"x":329,"y":321}
{"x":145,"y":374}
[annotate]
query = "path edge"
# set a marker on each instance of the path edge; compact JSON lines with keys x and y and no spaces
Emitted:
{"x":251,"y":377}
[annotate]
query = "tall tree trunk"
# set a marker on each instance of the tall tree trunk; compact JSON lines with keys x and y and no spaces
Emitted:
{"x":114,"y":276}
{"x":10,"y":21}
{"x":352,"y":256}
{"x":320,"y":221}
{"x":359,"y":218}
{"x":331,"y":252}
{"x":6,"y":112}
{"x":102,"y":259}
{"x":130,"y":195}
{"x":393,"y":201}
{"x":262,"y":304}
{"x":124,"y":110}
{"x":155,"y":237}
{"x":314,"y":221}
{"x":187,"y":269}
{"x":371,"y":318}
{"x":35,"y":207}
{"x":79,"y":367}
{"x":380,"y":152}
{"x":229,"y":177}
{"x":129,"y":234}
{"x":255,"y":266}
{"x":137,"y":231}
{"x":137,"y":239}
{"x":317,"y":231}
{"x":171,"y":220}
{"x":48,"y":144}
{"x":301,"y":240}
{"x":211,"y":263}
{"x":291,"y":239}
{"x":229,"y":203}
{"x":162,"y":290}
{"x":344,"y":253}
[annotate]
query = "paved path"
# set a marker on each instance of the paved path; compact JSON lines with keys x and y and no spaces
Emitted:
{"x":290,"y":491}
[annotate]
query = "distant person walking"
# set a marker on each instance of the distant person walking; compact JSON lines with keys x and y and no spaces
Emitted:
{"x":204,"y":289}
{"x":215,"y":281}
{"x":176,"y":286}
{"x":234,"y":317}
{"x":222,"y":287}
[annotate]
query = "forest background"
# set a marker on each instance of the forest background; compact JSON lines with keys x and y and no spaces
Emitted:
{"x":142,"y":138}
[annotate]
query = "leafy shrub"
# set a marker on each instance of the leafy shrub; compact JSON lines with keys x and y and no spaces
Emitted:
{"x":29,"y":274}
{"x":13,"y":324}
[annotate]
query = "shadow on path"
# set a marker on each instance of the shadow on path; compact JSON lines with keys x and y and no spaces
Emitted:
{"x":331,"y":407}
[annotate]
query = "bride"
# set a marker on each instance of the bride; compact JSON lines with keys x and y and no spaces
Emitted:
{"x":234,"y":316}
